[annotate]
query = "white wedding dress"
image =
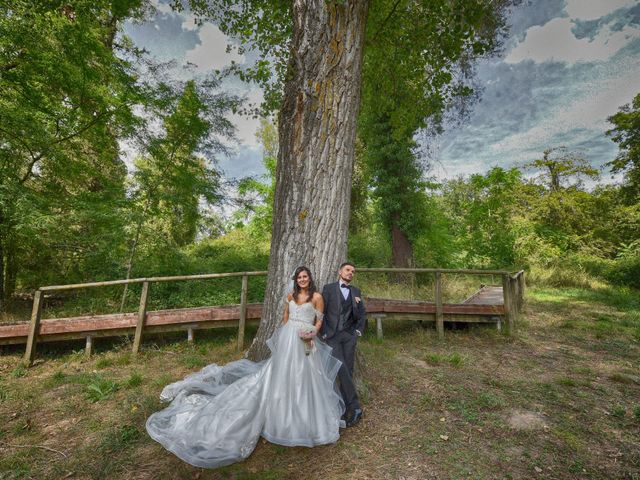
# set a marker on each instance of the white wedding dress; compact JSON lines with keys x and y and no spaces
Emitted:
{"x":217,"y":415}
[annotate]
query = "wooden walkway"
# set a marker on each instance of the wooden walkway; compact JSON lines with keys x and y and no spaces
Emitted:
{"x":490,"y":304}
{"x":484,"y":306}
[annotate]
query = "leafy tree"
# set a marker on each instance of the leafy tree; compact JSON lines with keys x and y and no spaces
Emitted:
{"x":66,"y":96}
{"x":178,"y":173}
{"x":257,"y":193}
{"x":559,"y":166}
{"x":563,"y":208}
{"x":418,"y":64}
{"x":626,"y":134}
{"x":482,"y":210}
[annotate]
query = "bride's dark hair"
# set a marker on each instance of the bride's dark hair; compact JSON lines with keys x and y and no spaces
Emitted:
{"x":296,"y":288}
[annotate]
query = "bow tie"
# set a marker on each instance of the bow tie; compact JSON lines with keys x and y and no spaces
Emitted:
{"x":344,"y":285}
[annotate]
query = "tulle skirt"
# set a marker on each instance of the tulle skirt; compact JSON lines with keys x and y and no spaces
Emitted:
{"x":217,"y":415}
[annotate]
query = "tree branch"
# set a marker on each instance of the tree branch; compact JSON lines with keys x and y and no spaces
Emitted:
{"x":384,"y":22}
{"x":35,"y":446}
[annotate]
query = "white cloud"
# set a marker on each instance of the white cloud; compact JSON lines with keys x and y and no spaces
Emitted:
{"x":161,"y":7}
{"x":248,"y":126}
{"x":554,"y":41}
{"x":211,"y":53}
{"x":189,"y":21}
{"x":594,"y":9}
{"x":585,"y":113}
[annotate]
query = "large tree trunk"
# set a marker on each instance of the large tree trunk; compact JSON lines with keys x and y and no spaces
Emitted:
{"x":401,"y":249}
{"x":317,"y":130}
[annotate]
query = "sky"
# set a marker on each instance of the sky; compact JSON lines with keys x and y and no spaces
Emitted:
{"x":565,"y":67}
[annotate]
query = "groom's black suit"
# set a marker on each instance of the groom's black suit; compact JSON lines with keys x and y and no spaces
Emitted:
{"x":342,"y":319}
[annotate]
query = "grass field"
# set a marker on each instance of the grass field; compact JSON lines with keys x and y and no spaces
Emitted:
{"x":560,"y":399}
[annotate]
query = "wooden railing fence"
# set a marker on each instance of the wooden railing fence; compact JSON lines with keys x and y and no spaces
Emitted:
{"x":513,"y":295}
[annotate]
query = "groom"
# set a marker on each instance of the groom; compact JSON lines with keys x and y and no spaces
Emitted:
{"x":344,"y":321}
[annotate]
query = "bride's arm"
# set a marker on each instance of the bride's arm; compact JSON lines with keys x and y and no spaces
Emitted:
{"x":285,"y":317}
{"x":318,"y":304}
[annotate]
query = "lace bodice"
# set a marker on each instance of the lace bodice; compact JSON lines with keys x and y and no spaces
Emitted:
{"x":305,"y":313}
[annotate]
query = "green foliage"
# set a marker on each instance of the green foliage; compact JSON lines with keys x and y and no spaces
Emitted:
{"x":69,"y":93}
{"x":119,"y":439}
{"x":4,"y":393}
{"x":626,"y":133}
{"x":558,"y":165}
{"x":66,"y":96}
{"x":417,"y":61}
{"x":100,"y":388}
{"x":19,"y":371}
{"x":481,"y":209}
{"x":263,"y":27}
{"x":134,"y":380}
{"x":370,"y":247}
{"x":257,"y":194}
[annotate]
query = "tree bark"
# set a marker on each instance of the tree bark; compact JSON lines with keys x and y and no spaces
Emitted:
{"x":401,"y":249}
{"x":317,"y":130}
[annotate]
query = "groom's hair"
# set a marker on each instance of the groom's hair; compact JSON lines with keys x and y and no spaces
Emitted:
{"x":346,"y":263}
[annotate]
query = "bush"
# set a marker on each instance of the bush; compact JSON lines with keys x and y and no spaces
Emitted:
{"x":625,"y":271}
{"x":369,"y":249}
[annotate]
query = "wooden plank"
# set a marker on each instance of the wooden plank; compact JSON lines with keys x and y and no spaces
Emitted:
{"x":124,"y":320}
{"x":475,"y":295}
{"x":194,"y":316}
{"x":487,"y":295}
{"x":142,"y":316}
{"x":179,"y":278}
{"x":34,"y":328}
{"x":129,"y":331}
{"x":243,"y":311}
{"x":439,"y":309}
{"x":207,"y":276}
{"x":433,"y":270}
{"x":182,"y":319}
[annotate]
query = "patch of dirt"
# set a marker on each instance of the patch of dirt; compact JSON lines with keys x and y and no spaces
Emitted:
{"x":524,"y":420}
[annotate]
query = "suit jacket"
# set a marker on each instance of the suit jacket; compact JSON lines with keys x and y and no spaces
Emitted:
{"x":333,"y":304}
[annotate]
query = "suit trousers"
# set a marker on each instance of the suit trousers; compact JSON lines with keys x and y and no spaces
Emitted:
{"x":344,"y":349}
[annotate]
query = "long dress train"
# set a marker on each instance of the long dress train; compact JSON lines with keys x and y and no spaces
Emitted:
{"x":217,"y":415}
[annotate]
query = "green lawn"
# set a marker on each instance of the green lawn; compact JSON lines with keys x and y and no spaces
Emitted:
{"x":560,"y":399}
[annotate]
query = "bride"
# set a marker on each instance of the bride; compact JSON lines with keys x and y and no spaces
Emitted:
{"x":217,"y":415}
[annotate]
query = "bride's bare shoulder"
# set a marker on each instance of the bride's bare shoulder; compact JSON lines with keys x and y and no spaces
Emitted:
{"x":317,"y":297}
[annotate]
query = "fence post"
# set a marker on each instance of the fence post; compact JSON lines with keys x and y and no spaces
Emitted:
{"x":34,"y":328}
{"x":514,"y":298}
{"x":243,"y":311}
{"x":88,"y":346}
{"x":523,"y":286}
{"x":378,"y":326}
{"x":142,"y":317}
{"x":439,"y":309}
{"x":508,"y":302}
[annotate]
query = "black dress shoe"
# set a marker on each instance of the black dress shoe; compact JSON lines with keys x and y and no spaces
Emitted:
{"x":357,"y":416}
